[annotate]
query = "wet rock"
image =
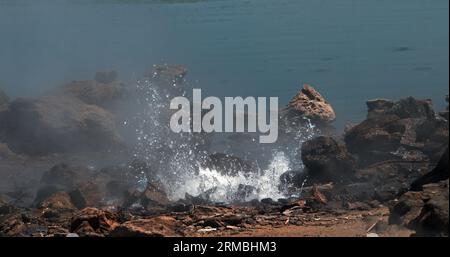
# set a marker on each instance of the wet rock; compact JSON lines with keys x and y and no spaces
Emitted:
{"x":106,"y":77}
{"x":201,"y":199}
{"x":162,"y":226}
{"x":244,"y":192}
{"x":292,"y":181}
{"x":310,"y":104}
{"x":229,"y":165}
{"x":121,"y":179}
{"x":91,"y":220}
{"x":154,"y":197}
{"x":326,"y":160}
{"x":56,"y":124}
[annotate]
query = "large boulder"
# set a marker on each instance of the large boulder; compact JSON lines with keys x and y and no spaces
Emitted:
{"x":440,"y":172}
{"x":56,"y":124}
{"x":311,"y":104}
{"x":326,"y":160}
{"x":403,"y":130}
{"x":426,"y":211}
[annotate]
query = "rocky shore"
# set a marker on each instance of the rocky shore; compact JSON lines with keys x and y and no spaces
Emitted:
{"x":69,"y":168}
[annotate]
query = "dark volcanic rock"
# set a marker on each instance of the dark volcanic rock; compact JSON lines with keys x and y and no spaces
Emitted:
{"x":426,"y":212}
{"x":58,"y":124}
{"x":153,"y":198}
{"x":378,"y":107}
{"x":229,"y":164}
{"x":404,"y":130}
{"x":326,"y":160}
{"x":376,"y":138}
{"x":391,"y":179}
{"x":404,"y":108}
{"x":440,"y":172}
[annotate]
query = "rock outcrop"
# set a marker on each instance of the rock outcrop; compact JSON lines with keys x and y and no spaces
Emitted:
{"x":426,"y":211}
{"x":311,"y":104}
{"x":326,"y":160}
{"x":404,"y":130}
{"x":56,"y":124}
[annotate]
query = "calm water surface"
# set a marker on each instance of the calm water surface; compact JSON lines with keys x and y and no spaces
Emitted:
{"x":351,"y":50}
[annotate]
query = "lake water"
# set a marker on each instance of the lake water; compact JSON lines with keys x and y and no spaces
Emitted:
{"x":350,"y":50}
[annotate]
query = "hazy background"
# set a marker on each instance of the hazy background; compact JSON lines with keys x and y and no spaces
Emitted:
{"x":351,"y":50}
